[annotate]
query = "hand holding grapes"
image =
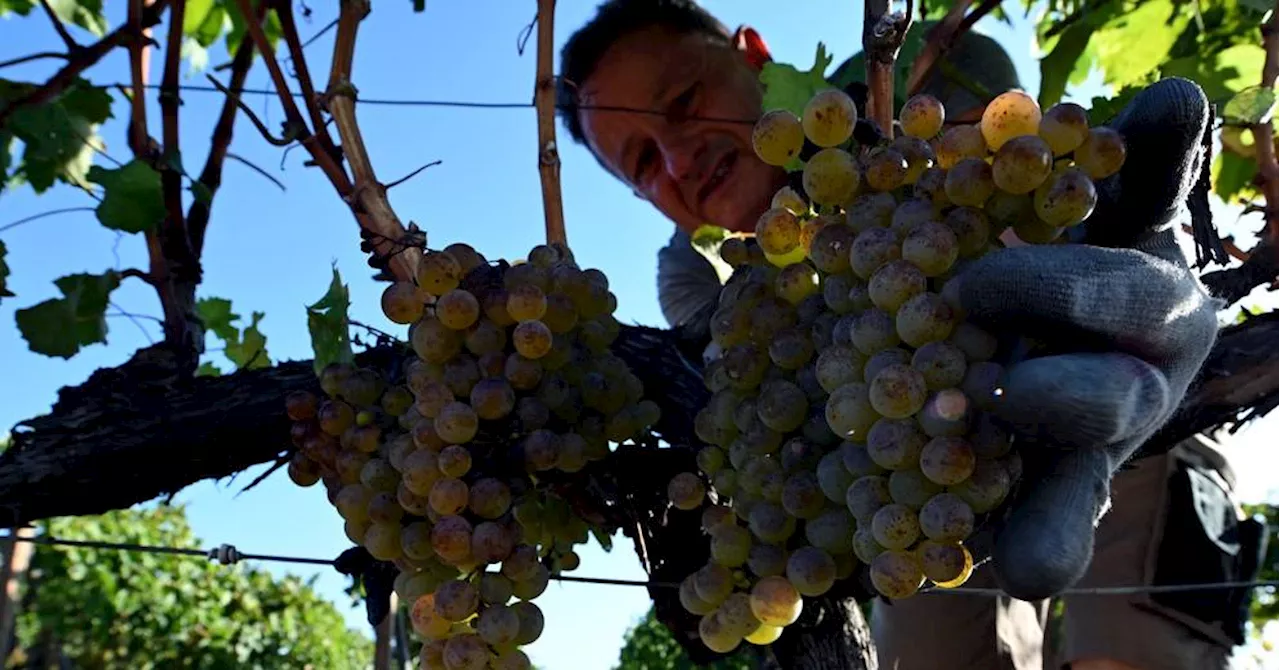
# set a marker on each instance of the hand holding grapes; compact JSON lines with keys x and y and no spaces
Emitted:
{"x":1124,"y":324}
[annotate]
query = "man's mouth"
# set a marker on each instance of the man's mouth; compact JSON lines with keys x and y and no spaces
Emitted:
{"x":719,"y":176}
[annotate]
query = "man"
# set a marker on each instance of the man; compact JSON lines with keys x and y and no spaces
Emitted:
{"x":693,"y":160}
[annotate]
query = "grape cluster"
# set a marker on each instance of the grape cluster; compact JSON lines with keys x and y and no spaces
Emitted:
{"x":846,"y":424}
{"x":449,"y":471}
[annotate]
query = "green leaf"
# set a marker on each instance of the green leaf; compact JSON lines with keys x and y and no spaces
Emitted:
{"x":84,"y":13}
{"x":4,"y":272}
{"x":327,"y":323}
{"x":603,"y":538}
{"x":19,"y":7}
{"x":250,"y":351}
{"x":215,"y":22}
{"x":1102,"y":110}
{"x":59,"y":136}
{"x":208,"y":369}
{"x":132,"y":199}
{"x":789,"y":88}
{"x":708,"y":237}
{"x":1250,"y":105}
{"x":1220,"y":74}
{"x":239,"y":29}
{"x":1232,"y":175}
{"x":87,"y":101}
{"x":1132,"y":45}
{"x":218,"y":318}
{"x":61,"y":326}
{"x":194,"y":14}
{"x":1057,"y":67}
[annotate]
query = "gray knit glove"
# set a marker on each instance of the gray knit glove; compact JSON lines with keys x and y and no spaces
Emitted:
{"x":1123,"y":327}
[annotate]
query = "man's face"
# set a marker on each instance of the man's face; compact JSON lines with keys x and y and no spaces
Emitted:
{"x":694,"y":171}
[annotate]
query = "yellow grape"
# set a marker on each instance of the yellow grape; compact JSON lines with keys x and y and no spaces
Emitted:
{"x":402,"y":303}
{"x":829,"y":117}
{"x":778,"y":231}
{"x":1102,"y":154}
{"x":922,"y":116}
{"x":959,"y":143}
{"x":777,"y":137}
{"x":787,"y":198}
{"x":438,"y":273}
{"x":1009,"y":115}
{"x":1022,"y":164}
{"x":896,"y":573}
{"x":831,"y":177}
{"x":1066,"y":199}
{"x":1064,"y":126}
{"x":458,"y":309}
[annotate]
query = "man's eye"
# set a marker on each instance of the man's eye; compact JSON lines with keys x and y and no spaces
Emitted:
{"x":683,"y":102}
{"x":643,"y":162}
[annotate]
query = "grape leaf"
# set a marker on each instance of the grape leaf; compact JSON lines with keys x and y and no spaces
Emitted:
{"x":1250,"y":105}
{"x":789,"y":88}
{"x":1220,"y":74}
{"x":708,"y":236}
{"x":603,"y":538}
{"x":4,"y":273}
{"x":208,"y":369}
{"x":59,"y":136}
{"x":211,"y":28}
{"x":239,"y":29}
{"x":1132,"y":45}
{"x":84,"y":13}
{"x":327,"y":323}
{"x":249,"y":351}
{"x":194,"y":14}
{"x":1102,"y":110}
{"x":61,"y":326}
{"x":1057,"y":67}
{"x":19,"y":7}
{"x":132,"y":198}
{"x":217,"y":317}
{"x":1232,"y":175}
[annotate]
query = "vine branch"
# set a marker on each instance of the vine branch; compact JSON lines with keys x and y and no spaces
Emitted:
{"x":72,"y":46}
{"x":32,"y":57}
{"x":1268,"y":172}
{"x":289,"y":28}
{"x":882,"y":37}
{"x":545,"y":102}
{"x":942,"y":37}
{"x":171,"y":166}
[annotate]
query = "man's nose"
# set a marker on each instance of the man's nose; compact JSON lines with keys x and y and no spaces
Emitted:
{"x":684,"y":158}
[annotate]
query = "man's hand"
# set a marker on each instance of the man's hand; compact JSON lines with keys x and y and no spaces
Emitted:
{"x":377,"y":577}
{"x":1125,"y":327}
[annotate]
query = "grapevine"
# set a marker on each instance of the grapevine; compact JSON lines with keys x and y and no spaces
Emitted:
{"x":452,"y":465}
{"x":846,"y":426}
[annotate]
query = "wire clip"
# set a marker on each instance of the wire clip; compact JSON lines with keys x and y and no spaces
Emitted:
{"x":226,"y":554}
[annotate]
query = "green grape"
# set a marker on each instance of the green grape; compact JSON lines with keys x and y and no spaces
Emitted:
{"x":1009,"y":115}
{"x":378,"y":475}
{"x":725,"y":482}
{"x":734,"y":251}
{"x":522,"y":564}
{"x":361,"y":438}
{"x":811,"y":571}
{"x":865,"y":547}
{"x":532,"y":339}
{"x":561,"y":315}
{"x":946,"y":518}
{"x":946,"y":564}
{"x":885,"y":169}
{"x":544,"y":256}
{"x":1064,"y":127}
{"x":303,"y":471}
{"x":796,"y":282}
{"x":435,"y":342}
{"x":526,"y":273}
{"x":511,"y":659}
{"x":778,"y":231}
{"x":498,"y":625}
{"x":931,"y":247}
{"x":896,"y":574}
{"x":836,"y":289}
{"x":931,"y":186}
{"x":531,"y":622}
{"x":831,"y":531}
{"x":808,"y":230}
{"x":971,"y":228}
{"x":897,"y":392}
{"x":775,"y":602}
{"x":777,"y":137}
{"x":456,"y":600}
{"x":802,"y":496}
{"x":833,"y":478}
{"x":335,"y":417}
{"x":989,"y":440}
{"x":770,"y":317}
{"x":466,"y":652}
{"x":691,"y":601}
{"x":947,"y":460}
{"x":457,"y":309}
{"x":977,"y":344}
{"x":533,"y":414}
{"x":396,"y":400}
{"x":466,"y":255}
{"x":959,"y":143}
{"x":492,"y":399}
{"x":352,"y":502}
{"x":829,"y":250}
{"x":425,"y":621}
{"x":713,"y":583}
{"x":438,"y":272}
{"x":1022,"y":164}
{"x":489,"y":498}
{"x":849,"y":412}
{"x":981,"y":383}
{"x":922,"y":116}
{"x":829,"y":117}
{"x":895,"y":444}
{"x":1101,"y":154}
{"x":421,"y":471}
{"x":894,"y":526}
{"x":355,"y":530}
{"x":460,"y":374}
{"x":986,"y":488}
{"x":942,"y":365}
{"x":730,"y":545}
{"x":494,"y":306}
{"x":573,"y":453}
{"x":448,"y":495}
{"x":969,"y":182}
{"x":918,"y":153}
{"x":685,"y":491}
{"x":745,"y":365}
{"x":491,"y":542}
{"x":384,"y":508}
{"x":541,"y":450}
{"x":1035,"y":231}
{"x":883,"y":359}
{"x":533,"y":586}
{"x":767,"y":560}
{"x":383,"y":541}
{"x":1066,"y":199}
{"x":866,"y":495}
{"x":869,"y":210}
{"x":764,"y":635}
{"x":770,"y":523}
{"x":716,"y":636}
{"x":873,"y":332}
{"x":432,"y":398}
{"x":782,"y":406}
{"x":945,"y":413}
{"x":787,"y":198}
{"x":924,"y":318}
{"x":838,"y":365}
{"x":872,"y":248}
{"x":402,"y":303}
{"x":894,"y":283}
{"x":909,"y":215}
{"x":857,"y":461}
{"x":911,"y":488}
{"x":457,"y":423}
{"x":451,"y":538}
{"x":830,"y":177}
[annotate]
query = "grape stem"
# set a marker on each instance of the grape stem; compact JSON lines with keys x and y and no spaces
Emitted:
{"x":882,"y":37}
{"x":545,"y":102}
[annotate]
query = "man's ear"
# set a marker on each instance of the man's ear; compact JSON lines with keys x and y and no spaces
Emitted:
{"x":752,"y":46}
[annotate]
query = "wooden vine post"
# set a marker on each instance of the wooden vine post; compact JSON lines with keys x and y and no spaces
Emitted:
{"x":545,"y":102}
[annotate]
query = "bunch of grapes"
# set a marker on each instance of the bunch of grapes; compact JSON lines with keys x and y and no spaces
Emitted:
{"x":847,"y":422}
{"x":447,"y":467}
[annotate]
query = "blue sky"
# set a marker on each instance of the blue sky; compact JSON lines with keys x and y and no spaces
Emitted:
{"x":270,"y":251}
